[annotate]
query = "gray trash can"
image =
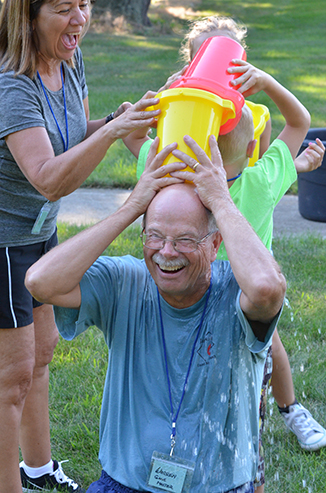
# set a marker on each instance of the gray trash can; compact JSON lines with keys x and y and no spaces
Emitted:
{"x":312,"y":185}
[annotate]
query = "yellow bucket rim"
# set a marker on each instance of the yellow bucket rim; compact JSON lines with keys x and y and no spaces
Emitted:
{"x":263,"y":117}
{"x":199,"y":94}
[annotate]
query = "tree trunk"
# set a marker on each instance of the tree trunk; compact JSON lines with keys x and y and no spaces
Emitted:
{"x":133,"y":10}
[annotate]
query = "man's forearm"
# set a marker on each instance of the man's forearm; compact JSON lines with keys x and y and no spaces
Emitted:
{"x":257,"y":273}
{"x":60,"y":271}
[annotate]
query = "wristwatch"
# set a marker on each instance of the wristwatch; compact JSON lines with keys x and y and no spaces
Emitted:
{"x":110,"y":117}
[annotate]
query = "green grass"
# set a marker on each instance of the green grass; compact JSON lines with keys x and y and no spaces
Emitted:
{"x":123,"y":68}
{"x":285,"y":38}
{"x":78,"y":372}
{"x":302,"y":330}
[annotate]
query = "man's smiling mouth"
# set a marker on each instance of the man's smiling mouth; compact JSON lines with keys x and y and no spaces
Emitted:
{"x":170,"y":265}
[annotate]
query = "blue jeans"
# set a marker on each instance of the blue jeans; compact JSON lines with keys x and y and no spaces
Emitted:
{"x":108,"y":485}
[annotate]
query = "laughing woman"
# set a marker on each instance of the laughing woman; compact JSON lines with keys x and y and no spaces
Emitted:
{"x":48,"y":147}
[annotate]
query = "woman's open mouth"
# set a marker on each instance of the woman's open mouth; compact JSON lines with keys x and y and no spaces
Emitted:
{"x":70,"y":40}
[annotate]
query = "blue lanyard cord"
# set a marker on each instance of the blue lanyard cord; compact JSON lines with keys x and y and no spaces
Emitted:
{"x":230,"y":179}
{"x":65,"y":145}
{"x":174,"y":419}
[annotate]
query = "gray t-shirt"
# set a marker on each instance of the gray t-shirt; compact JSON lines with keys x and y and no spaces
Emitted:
{"x":24,"y":105}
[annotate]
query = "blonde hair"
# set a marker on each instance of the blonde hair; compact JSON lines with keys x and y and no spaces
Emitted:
{"x":233,"y":145}
{"x":234,"y":30}
{"x":18,"y":49}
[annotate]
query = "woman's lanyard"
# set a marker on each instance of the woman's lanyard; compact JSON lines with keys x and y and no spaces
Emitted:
{"x":44,"y":212}
{"x":175,"y":417}
{"x":65,"y":144}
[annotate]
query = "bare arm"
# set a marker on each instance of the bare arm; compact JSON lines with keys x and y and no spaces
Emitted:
{"x":136,"y":139}
{"x":57,"y":176}
{"x":297,"y":118}
{"x":93,"y":125}
{"x":265,"y":138}
{"x":311,"y":158}
{"x":173,"y":78}
{"x":257,"y":273}
{"x":56,"y":276}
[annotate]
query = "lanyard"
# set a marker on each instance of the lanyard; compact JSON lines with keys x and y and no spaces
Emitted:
{"x":175,"y":417}
{"x":65,"y":145}
{"x":230,"y":179}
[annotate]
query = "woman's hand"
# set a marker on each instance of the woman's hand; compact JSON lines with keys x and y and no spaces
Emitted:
{"x":134,"y":116}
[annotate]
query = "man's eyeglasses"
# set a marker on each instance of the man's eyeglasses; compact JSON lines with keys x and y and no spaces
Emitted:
{"x":181,"y":245}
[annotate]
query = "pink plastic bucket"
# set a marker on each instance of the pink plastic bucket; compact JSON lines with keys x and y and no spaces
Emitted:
{"x":208,"y":72}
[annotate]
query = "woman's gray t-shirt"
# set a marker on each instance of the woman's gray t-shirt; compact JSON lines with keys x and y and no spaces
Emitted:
{"x":23,"y":105}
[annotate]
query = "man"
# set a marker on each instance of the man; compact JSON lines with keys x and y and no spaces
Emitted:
{"x":187,"y":335}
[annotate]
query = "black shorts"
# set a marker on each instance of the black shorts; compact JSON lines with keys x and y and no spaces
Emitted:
{"x":16,"y":302}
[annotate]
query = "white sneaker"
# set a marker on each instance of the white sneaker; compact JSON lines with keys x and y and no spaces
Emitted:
{"x":55,"y":482}
{"x":310,"y":434}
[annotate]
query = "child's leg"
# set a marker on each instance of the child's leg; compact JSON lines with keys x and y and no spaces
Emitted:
{"x":310,"y":434}
{"x":282,"y":383}
{"x":260,"y":477}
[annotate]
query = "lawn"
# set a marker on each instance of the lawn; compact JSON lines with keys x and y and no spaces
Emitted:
{"x":284,"y":38}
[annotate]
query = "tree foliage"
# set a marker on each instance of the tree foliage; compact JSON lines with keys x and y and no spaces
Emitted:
{"x":133,"y":10}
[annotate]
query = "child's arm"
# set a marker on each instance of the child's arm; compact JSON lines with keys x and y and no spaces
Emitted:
{"x":173,"y":78}
{"x":311,"y":158}
{"x":265,"y":138}
{"x":296,"y":116}
{"x":136,"y":139}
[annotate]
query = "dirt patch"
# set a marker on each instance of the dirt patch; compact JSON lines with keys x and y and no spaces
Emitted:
{"x":166,"y":16}
{"x":186,"y":10}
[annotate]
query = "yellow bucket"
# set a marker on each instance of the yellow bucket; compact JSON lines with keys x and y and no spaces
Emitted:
{"x":260,"y":115}
{"x":194,"y":112}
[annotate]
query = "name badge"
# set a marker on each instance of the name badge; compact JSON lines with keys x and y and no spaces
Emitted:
{"x":170,"y":473}
{"x":43,"y":214}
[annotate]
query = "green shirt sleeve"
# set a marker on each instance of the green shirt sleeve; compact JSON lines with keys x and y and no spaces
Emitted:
{"x":260,"y":188}
{"x":143,"y":153}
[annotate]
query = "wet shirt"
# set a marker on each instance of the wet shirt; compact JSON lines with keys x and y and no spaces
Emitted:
{"x":217,"y":427}
{"x":24,"y":105}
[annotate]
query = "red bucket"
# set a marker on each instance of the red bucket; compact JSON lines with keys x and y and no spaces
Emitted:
{"x":208,"y":72}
